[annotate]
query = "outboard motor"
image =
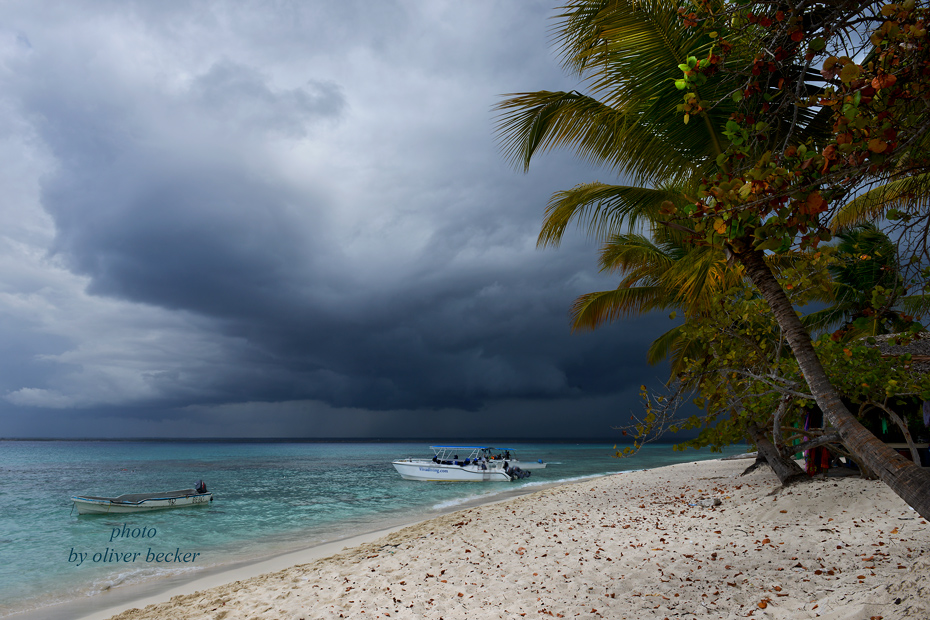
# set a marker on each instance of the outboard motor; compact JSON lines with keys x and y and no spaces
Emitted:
{"x":200,"y":487}
{"x":516,"y":473}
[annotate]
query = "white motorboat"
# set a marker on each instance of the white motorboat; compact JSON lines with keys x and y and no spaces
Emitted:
{"x":510,"y":456}
{"x":142,"y":502}
{"x":459,"y":464}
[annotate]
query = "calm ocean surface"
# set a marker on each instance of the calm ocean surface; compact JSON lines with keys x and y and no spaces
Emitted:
{"x":270,"y":498}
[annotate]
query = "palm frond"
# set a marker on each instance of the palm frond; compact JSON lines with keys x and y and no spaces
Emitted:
{"x":663,"y":346}
{"x":602,"y":209}
{"x":676,"y":347}
{"x":631,"y":253}
{"x":826,"y":320}
{"x":697,"y":278}
{"x":910,"y":194}
{"x":629,"y":53}
{"x":592,"y":310}
{"x":915,"y":305}
{"x":531,"y":123}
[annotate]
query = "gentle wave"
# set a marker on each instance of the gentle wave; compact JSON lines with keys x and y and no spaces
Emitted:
{"x":572,"y":480}
{"x":508,"y":490}
{"x":138,"y":576}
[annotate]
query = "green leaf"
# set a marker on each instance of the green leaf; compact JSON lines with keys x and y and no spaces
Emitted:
{"x":769,"y":244}
{"x":850,"y":72}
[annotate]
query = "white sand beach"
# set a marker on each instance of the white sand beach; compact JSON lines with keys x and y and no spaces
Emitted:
{"x":634,"y":545}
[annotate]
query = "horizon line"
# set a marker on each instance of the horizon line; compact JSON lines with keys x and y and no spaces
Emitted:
{"x":333,"y":439}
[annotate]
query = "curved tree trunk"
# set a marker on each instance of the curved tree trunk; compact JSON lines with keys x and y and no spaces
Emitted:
{"x":910,"y":482}
{"x":786,"y":469}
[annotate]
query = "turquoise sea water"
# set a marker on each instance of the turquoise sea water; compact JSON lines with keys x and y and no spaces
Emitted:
{"x":270,"y":498}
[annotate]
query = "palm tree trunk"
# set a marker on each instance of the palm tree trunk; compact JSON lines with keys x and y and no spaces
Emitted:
{"x":786,"y":469}
{"x":910,"y":482}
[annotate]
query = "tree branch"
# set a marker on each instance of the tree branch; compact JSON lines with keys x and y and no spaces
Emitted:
{"x":900,"y":423}
{"x":809,"y":445}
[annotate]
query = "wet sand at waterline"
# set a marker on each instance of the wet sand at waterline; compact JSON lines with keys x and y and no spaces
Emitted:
{"x":632,"y":545}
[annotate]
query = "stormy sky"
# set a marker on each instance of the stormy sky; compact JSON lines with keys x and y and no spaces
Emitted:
{"x":291,"y":219}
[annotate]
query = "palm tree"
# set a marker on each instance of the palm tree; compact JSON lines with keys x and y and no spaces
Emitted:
{"x":635,"y":110}
{"x":867,"y":287}
{"x":632,"y":124}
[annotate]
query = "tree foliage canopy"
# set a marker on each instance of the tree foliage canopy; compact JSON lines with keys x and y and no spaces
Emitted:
{"x":752,"y":126}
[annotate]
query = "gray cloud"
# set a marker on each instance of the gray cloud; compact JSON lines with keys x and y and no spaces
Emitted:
{"x":241,"y":96}
{"x":290,"y":217}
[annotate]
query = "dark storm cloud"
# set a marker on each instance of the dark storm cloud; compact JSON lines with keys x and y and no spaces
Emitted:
{"x":251,"y":209}
{"x":153,"y":221}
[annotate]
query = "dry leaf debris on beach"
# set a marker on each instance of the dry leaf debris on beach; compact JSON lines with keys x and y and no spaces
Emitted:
{"x":633,"y":545}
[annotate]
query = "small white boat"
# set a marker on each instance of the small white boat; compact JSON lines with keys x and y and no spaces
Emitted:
{"x":510,"y":456}
{"x":459,"y":464}
{"x":142,"y":502}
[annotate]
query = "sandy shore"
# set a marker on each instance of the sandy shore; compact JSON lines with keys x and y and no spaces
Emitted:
{"x":633,"y":545}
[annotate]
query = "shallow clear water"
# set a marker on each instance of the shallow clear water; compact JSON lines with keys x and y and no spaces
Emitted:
{"x":269,"y":498}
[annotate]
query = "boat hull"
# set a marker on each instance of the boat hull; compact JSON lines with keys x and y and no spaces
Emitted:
{"x":104,"y":505}
{"x":413,"y":469}
{"x":528,"y":464}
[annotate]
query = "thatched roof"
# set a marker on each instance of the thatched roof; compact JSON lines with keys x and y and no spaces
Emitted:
{"x":918,"y":347}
